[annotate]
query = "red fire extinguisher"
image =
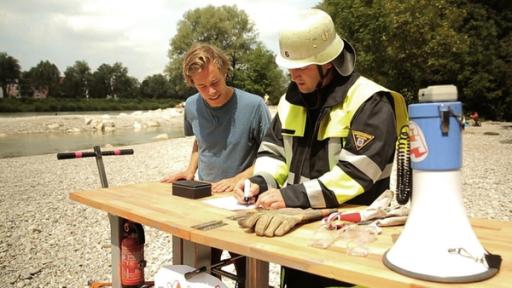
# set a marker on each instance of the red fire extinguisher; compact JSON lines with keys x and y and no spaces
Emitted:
{"x":132,"y":255}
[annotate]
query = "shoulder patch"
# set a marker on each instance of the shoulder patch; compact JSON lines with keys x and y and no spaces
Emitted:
{"x":361,"y":139}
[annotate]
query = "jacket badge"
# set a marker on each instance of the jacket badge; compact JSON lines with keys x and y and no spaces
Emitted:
{"x":361,"y":139}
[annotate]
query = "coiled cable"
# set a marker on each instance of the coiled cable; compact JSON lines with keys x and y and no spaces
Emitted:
{"x":404,"y":171}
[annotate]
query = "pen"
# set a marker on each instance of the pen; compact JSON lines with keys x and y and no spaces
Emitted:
{"x":247,"y":189}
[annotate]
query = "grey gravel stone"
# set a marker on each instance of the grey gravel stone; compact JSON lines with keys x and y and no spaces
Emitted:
{"x":50,"y":241}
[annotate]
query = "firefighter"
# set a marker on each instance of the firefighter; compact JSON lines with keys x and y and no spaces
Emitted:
{"x":333,"y":138}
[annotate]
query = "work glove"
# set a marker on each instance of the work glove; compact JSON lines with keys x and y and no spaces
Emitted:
{"x":278,"y":222}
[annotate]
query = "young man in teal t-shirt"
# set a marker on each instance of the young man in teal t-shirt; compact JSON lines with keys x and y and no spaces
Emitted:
{"x":228,"y":125}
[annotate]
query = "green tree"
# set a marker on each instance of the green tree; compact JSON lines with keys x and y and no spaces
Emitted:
{"x":226,"y":27}
{"x":128,"y":87}
{"x":405,"y":45}
{"x":26,"y":87}
{"x":260,"y":74}
{"x":45,"y":77}
{"x":76,"y":80}
{"x":155,"y":86}
{"x":113,"y":82}
{"x":10,"y":71}
{"x":123,"y":85}
{"x":179,"y":88}
{"x":486,"y":79}
{"x":100,"y":86}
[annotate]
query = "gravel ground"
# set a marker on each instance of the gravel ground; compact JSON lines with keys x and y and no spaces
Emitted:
{"x":49,"y":241}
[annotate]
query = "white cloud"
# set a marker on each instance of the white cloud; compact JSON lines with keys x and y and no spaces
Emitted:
{"x":135,"y":33}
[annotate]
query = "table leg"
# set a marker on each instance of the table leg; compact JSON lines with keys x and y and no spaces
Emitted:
{"x":196,"y":255}
{"x":115,"y":240}
{"x":189,"y":253}
{"x":256,"y":274}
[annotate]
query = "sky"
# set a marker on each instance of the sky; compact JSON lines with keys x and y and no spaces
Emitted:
{"x":135,"y":33}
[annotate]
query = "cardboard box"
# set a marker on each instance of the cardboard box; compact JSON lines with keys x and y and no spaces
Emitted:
{"x":191,"y":189}
{"x":174,"y":276}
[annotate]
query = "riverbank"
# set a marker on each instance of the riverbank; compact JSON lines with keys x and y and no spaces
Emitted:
{"x":49,"y":241}
{"x":41,"y":134}
{"x":79,"y":123}
{"x":51,"y":104}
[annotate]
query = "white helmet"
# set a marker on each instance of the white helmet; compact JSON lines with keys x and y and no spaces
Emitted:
{"x":312,"y":39}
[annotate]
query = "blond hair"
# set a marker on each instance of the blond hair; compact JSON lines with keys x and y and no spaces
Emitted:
{"x":199,"y":56}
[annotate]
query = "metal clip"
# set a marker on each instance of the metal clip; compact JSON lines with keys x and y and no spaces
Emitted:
{"x":464,"y":253}
{"x":445,"y":119}
{"x":447,"y":112}
{"x":209,"y":225}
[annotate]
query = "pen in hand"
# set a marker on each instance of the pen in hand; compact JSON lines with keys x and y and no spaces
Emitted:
{"x":247,"y":189}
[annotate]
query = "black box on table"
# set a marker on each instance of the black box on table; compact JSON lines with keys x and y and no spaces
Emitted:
{"x":191,"y":189}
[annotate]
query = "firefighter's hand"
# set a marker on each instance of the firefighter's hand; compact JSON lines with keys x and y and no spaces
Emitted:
{"x":271,"y":199}
{"x":239,"y":192}
{"x":278,"y":222}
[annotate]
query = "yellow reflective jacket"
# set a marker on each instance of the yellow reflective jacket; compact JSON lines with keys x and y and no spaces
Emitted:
{"x":342,"y":152}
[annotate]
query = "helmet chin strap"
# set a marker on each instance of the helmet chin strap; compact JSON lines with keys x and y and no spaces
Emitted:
{"x":318,"y":98}
{"x":322,"y":77}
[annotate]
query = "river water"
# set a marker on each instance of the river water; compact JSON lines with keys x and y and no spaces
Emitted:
{"x":48,"y":143}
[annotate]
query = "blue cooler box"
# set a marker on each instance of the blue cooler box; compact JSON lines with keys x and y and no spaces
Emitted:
{"x":433,"y":149}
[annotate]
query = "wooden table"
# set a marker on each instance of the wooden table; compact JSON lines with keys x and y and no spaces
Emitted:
{"x":153,"y":205}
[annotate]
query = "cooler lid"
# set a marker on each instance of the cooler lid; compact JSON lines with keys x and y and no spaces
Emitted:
{"x":431,"y":110}
{"x":438,"y":93}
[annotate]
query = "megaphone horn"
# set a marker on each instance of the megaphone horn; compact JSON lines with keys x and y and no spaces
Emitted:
{"x":438,"y":243}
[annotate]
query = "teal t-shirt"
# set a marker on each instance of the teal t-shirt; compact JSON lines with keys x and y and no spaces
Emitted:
{"x":229,"y":136}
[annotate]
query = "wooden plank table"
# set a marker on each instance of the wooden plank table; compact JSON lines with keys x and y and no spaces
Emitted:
{"x":153,"y":205}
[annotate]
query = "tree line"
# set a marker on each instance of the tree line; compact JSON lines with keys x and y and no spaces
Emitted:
{"x":108,"y":81}
{"x":408,"y":45}
{"x":404,"y":45}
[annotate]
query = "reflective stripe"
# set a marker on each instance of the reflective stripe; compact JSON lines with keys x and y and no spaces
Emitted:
{"x":269,"y":179}
{"x":271,"y":148}
{"x":363,"y":163}
{"x":336,"y":124}
{"x":343,"y":186}
{"x":294,"y":125}
{"x":386,"y":172}
{"x":271,"y":166}
{"x":314,"y":192}
{"x":288,"y":145}
{"x":303,"y":179}
{"x":364,"y":86}
{"x":291,"y":177}
{"x":333,"y":151}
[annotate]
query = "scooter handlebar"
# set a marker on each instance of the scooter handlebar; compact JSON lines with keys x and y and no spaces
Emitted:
{"x":80,"y":154}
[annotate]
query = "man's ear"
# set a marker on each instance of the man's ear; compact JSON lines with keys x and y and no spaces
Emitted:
{"x":327,"y":67}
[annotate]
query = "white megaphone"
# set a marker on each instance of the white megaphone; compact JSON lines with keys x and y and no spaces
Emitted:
{"x":438,"y":243}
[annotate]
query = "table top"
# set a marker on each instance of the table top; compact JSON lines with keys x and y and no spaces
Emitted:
{"x":153,"y":205}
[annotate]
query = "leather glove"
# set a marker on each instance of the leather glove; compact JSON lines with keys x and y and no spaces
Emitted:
{"x":278,"y":222}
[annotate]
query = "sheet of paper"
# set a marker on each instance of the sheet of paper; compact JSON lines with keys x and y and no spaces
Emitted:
{"x":229,"y":203}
